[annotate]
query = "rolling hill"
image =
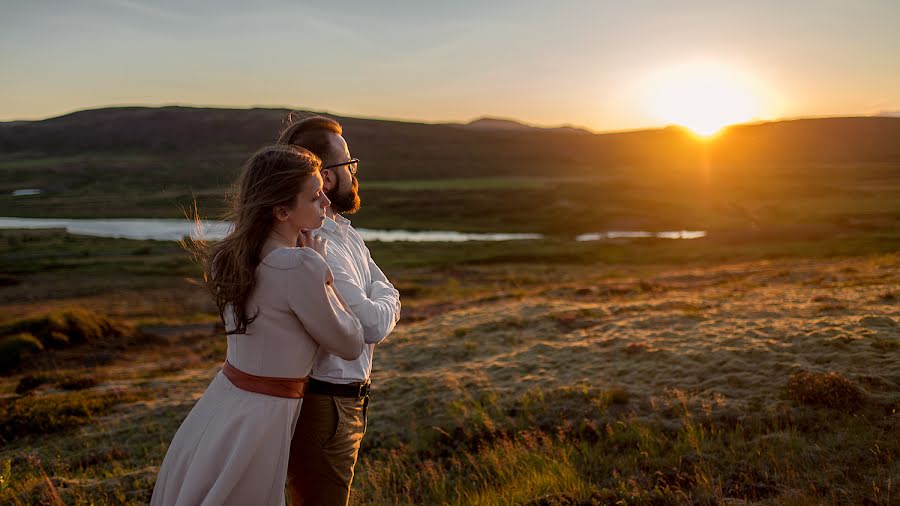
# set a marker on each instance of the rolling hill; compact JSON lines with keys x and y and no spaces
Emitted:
{"x":154,"y":162}
{"x":486,"y":147}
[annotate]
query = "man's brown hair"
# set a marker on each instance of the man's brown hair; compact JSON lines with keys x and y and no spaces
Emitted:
{"x":309,"y":132}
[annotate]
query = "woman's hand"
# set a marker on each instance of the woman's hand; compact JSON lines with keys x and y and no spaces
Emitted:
{"x":318,"y":243}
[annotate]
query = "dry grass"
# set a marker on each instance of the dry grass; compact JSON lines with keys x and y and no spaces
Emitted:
{"x":21,"y":339}
{"x":832,"y":390}
{"x":46,"y":414}
{"x":562,"y":385}
{"x":16,"y":347}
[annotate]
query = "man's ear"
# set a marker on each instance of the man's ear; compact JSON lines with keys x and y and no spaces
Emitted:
{"x":328,"y":179}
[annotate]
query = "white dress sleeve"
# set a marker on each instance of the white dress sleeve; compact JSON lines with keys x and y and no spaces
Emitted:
{"x":321,"y":310}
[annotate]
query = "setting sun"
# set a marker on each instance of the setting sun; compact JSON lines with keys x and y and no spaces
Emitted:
{"x":702,"y":97}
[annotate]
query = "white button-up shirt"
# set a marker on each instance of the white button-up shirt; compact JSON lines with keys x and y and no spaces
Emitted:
{"x":371,"y":297}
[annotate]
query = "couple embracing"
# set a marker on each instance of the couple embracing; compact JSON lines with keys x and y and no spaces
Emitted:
{"x":303,"y":305}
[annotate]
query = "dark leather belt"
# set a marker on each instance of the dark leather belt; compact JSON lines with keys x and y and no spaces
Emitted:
{"x":355,"y":390}
{"x":291,"y":388}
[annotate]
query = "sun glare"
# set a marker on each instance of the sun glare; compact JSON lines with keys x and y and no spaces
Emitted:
{"x":701,"y":97}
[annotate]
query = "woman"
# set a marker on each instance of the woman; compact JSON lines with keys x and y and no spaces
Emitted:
{"x":279,"y":308}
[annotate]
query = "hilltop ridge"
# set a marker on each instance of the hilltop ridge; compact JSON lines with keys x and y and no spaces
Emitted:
{"x":488,"y":146}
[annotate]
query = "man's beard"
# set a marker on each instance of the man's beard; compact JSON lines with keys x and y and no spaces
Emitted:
{"x":345,"y":200}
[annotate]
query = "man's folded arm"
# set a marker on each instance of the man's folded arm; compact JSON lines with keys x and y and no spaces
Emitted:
{"x":378,"y":314}
{"x":378,"y":277}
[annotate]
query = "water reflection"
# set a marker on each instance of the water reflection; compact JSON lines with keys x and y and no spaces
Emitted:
{"x":677,"y":234}
{"x":174,"y":230}
{"x":24,"y":192}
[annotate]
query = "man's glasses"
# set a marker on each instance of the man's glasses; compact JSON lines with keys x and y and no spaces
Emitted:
{"x":351,"y":164}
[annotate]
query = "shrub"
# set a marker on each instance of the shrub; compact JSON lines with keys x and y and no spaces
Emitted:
{"x":57,"y":340}
{"x":77,"y":383}
{"x":60,"y":329}
{"x":832,"y":390}
{"x":85,"y":326}
{"x":14,"y":349}
{"x":53,"y":413}
{"x":618,"y":395}
{"x":29,"y":382}
{"x":40,"y":327}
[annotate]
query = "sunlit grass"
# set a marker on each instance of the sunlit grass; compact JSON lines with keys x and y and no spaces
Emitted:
{"x":562,"y":374}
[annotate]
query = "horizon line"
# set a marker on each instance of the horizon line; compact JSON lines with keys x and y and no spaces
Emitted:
{"x":754,"y":121}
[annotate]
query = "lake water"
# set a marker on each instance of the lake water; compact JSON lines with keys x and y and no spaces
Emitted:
{"x":624,"y":234}
{"x":26,"y":192}
{"x":173,"y":230}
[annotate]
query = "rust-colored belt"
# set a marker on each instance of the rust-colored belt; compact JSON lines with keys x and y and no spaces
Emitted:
{"x":292,"y":388}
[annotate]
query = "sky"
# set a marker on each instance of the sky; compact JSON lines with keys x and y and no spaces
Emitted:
{"x":603,"y":65}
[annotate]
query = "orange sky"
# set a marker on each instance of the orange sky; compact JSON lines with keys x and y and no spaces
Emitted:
{"x":597,"y":64}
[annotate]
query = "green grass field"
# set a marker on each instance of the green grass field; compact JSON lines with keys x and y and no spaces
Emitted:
{"x":564,"y":202}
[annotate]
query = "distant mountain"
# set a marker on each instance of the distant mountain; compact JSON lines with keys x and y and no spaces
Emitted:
{"x":488,"y":146}
{"x":501,"y":124}
{"x":497,"y":124}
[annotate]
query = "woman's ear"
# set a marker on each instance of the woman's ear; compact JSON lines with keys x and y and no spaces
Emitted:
{"x":328,"y":179}
{"x":280,"y":213}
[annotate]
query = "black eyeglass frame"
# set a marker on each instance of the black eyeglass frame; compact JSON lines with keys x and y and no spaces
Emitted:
{"x":352,"y":164}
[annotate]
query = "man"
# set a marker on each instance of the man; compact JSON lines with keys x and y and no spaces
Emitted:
{"x":332,"y":419}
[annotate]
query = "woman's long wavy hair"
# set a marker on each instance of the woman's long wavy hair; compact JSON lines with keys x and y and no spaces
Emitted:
{"x":271,"y":177}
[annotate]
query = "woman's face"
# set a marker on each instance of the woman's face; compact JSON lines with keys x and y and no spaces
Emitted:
{"x":309,"y":206}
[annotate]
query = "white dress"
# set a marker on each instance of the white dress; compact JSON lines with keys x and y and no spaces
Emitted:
{"x":233,"y":447}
